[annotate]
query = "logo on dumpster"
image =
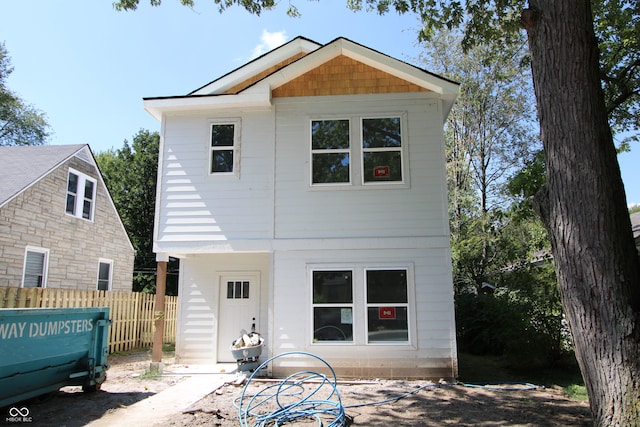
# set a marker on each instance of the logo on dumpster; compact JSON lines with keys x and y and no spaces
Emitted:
{"x":18,"y":330}
{"x":18,"y":415}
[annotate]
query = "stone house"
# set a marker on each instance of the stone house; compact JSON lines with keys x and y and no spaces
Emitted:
{"x":59,"y":227}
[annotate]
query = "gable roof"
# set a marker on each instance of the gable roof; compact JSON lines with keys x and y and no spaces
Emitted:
{"x":23,"y":166}
{"x":255,"y":83}
{"x":259,"y":67}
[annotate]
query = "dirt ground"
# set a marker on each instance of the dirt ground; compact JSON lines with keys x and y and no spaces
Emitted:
{"x":433,"y":405}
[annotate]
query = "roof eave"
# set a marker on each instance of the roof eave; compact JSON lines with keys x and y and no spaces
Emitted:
{"x":157,"y":107}
{"x":445,"y":88}
{"x":229,"y":80}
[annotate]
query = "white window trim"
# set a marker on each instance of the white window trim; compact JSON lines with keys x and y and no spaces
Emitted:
{"x":45,"y":267}
{"x":313,"y":151}
{"x":237,"y":132}
{"x":352,"y":305}
{"x":403,"y":151}
{"x":395,"y":304}
{"x":79,"y":204}
{"x":105,"y":261}
{"x":356,"y":157}
{"x":360,"y":305}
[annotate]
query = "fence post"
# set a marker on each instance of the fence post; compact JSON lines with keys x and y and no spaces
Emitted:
{"x":158,"y":315}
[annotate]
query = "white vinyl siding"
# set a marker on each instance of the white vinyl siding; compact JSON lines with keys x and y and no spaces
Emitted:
{"x":430,"y":308}
{"x":362,"y":209}
{"x":195,"y":207}
{"x":36,"y":263}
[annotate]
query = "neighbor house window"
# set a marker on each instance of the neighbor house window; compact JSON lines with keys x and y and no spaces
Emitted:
{"x":105,"y":268}
{"x":224,"y":148}
{"x":36,"y":261}
{"x":81,"y":195}
{"x":330,"y":152}
{"x":381,"y":150}
{"x":387,"y":306}
{"x":332,"y":306}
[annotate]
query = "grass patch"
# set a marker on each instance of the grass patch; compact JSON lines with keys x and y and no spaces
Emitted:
{"x":150,"y":374}
{"x":576,"y":391}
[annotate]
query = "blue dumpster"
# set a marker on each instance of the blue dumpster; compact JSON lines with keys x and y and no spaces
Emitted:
{"x":44,"y":349}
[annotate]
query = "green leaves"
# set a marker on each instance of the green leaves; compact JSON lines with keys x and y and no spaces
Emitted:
{"x":617,"y":27}
{"x":20,"y":123}
{"x":130,"y":174}
{"x":123,"y":5}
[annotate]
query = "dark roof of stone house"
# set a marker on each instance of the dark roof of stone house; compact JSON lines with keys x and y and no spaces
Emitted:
{"x":22,"y":166}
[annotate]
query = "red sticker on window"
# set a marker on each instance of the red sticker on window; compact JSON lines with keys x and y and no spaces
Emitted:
{"x":387,"y":313}
{"x":381,"y":172}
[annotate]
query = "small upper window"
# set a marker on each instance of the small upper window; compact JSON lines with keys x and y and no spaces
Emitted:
{"x":330,"y":151}
{"x":381,"y":150}
{"x":81,"y":195}
{"x":224,"y":147}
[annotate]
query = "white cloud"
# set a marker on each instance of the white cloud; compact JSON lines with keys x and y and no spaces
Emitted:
{"x":269,"y":41}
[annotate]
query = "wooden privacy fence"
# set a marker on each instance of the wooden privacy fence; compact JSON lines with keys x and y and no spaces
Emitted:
{"x":132,"y":313}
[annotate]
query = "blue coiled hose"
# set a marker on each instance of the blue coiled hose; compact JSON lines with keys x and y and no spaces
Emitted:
{"x":292,"y":400}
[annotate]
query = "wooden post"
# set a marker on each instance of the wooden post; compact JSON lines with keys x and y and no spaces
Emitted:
{"x":158,"y":316}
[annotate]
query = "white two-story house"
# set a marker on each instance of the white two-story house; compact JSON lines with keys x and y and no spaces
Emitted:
{"x":305,"y":193}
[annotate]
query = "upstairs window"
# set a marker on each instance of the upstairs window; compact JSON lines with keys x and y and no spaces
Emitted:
{"x":104,"y":274}
{"x":330,"y":152}
{"x":36,"y":261}
{"x":224,"y":148}
{"x":381,"y":150}
{"x":81,"y":195}
{"x":357,"y":151}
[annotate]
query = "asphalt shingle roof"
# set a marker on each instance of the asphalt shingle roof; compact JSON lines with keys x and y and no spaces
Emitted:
{"x":22,"y":166}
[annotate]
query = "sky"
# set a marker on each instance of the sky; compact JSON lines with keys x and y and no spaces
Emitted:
{"x":87,"y":66}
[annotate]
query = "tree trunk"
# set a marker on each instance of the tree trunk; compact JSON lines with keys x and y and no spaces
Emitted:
{"x":584,"y":208}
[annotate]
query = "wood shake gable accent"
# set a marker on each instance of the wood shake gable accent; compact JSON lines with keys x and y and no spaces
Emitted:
{"x":248,"y":82}
{"x":344,"y":76}
{"x":302,"y":68}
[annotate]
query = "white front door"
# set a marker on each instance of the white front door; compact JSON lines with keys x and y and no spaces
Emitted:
{"x":239,"y":309}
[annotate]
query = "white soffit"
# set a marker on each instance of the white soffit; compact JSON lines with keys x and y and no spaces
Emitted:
{"x":260,"y":98}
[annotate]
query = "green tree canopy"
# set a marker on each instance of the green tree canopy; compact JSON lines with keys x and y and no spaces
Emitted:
{"x":20,"y":123}
{"x":130,"y":174}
